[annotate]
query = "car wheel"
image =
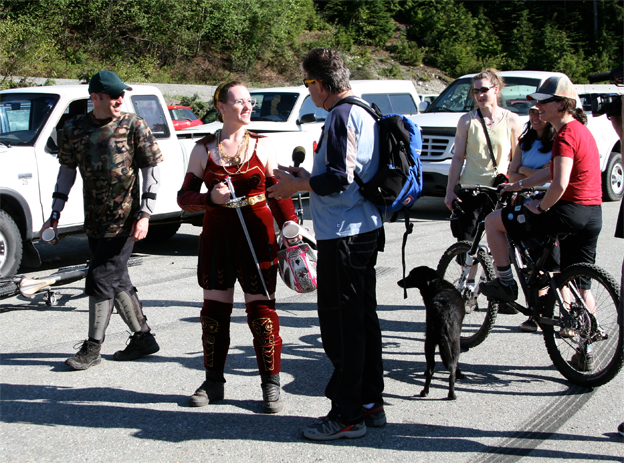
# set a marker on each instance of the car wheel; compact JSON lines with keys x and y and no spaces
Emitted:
{"x":613,"y":179}
{"x":11,"y":247}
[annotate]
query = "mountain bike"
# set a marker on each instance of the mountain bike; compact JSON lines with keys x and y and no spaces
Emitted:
{"x":577,"y":309}
{"x":29,"y":287}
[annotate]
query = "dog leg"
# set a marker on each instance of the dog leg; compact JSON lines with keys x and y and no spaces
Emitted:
{"x":453,"y":371}
{"x":459,"y":374}
{"x":430,"y":358}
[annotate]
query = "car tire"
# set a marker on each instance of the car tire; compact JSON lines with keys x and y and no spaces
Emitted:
{"x":613,"y":179}
{"x":11,"y":246}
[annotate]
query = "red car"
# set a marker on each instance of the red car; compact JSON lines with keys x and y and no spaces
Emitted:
{"x":183,"y":117}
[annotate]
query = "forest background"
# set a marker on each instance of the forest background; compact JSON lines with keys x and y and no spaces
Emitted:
{"x":262,"y":42}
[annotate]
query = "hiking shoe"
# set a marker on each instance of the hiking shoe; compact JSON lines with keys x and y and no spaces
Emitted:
{"x":582,"y":361}
{"x":496,"y":290}
{"x":327,"y":428}
{"x":374,"y":417}
{"x":567,"y":332}
{"x":209,"y":392}
{"x":529,"y":326}
{"x":87,"y":356}
{"x":140,"y":345}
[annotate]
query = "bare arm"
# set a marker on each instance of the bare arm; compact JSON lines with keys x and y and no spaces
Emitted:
{"x":562,"y":168}
{"x":514,"y":167}
{"x":457,"y":163}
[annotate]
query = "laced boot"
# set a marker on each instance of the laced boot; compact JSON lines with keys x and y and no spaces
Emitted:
{"x":210,"y":391}
{"x":271,"y":397}
{"x":87,"y":356}
{"x":140,"y":345}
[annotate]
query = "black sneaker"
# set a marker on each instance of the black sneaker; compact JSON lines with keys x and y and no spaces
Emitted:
{"x":140,"y":345}
{"x":87,"y":356}
{"x":327,"y":428}
{"x":496,"y":290}
{"x":621,"y":429}
{"x":374,"y":417}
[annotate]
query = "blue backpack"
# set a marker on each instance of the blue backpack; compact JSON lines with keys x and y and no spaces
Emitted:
{"x":399,"y":182}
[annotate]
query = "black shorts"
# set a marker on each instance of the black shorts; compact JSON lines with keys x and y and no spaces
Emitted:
{"x":581,"y":223}
{"x":108,"y":269}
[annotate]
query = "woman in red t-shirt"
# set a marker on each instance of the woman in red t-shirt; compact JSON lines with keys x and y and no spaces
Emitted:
{"x":572,"y":203}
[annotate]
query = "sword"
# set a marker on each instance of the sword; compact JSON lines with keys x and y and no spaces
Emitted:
{"x":234,"y":200}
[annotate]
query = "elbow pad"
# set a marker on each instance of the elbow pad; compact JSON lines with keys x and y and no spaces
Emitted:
{"x":189,"y":197}
{"x":283,"y":209}
{"x":151,"y":184}
{"x":64,"y":183}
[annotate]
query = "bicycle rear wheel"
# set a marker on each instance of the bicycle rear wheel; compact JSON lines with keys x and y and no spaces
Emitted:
{"x":587,"y":351}
{"x":480,"y":313}
{"x":8,"y":288}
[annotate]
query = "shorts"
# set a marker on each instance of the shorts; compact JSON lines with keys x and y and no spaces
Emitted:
{"x":108,"y":269}
{"x":581,"y":223}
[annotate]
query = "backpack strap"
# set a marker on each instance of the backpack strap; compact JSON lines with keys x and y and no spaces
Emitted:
{"x":375,"y":114}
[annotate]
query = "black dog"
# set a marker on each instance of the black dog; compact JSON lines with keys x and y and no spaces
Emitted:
{"x":445,"y":314}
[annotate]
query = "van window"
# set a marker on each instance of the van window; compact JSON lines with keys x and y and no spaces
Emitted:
{"x":273,"y":106}
{"x":149,"y":108}
{"x":392,"y":103}
{"x":23,"y":115}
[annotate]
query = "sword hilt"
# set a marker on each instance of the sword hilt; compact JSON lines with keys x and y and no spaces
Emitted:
{"x":235,"y":199}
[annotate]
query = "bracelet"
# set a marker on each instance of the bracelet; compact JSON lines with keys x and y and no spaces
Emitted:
{"x":539,"y":208}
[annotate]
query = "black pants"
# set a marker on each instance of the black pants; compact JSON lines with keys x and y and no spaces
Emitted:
{"x":108,"y":269}
{"x":347,"y":310}
{"x":475,"y":208}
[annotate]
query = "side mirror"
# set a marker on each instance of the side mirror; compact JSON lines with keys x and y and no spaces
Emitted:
{"x":307,"y":118}
{"x":51,"y":146}
{"x":422,"y":106}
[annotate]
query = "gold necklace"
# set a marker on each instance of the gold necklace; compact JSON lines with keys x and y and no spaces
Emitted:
{"x":241,"y":151}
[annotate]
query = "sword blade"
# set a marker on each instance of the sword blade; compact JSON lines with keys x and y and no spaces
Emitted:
{"x":244,"y":225}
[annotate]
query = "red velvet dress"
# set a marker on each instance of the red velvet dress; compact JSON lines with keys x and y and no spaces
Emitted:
{"x":224,"y":253}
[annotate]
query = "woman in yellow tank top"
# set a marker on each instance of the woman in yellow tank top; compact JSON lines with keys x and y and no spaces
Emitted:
{"x":472,"y":153}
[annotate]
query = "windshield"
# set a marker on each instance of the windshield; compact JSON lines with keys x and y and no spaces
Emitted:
{"x":182,"y":114}
{"x":273,"y":106}
{"x":23,"y":115}
{"x":456,"y":97}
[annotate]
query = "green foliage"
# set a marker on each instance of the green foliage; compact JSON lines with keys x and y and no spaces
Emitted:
{"x":207,"y":41}
{"x":407,"y":52}
{"x":199,"y":107}
{"x":393,"y":72}
{"x":26,"y":49}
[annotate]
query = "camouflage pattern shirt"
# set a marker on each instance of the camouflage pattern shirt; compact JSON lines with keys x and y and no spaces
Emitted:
{"x":109,"y":154}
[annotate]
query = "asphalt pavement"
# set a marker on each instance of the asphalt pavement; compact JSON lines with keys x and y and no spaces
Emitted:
{"x":513,"y":404}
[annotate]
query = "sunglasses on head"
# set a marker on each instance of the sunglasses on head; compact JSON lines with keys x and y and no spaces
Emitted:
{"x":306,"y":82}
{"x":476,"y":91}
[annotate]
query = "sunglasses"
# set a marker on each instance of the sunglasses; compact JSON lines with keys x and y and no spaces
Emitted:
{"x":476,"y":91}
{"x":548,"y":100}
{"x":306,"y":82}
{"x":116,"y":97}
{"x":250,"y":101}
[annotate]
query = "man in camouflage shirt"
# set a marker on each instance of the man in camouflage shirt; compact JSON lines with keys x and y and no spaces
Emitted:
{"x":109,"y":148}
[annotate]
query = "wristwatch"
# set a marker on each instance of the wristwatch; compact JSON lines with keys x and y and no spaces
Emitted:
{"x":539,"y":208}
{"x":520,"y":184}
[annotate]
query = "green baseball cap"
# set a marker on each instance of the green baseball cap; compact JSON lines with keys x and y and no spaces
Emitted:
{"x":107,"y":82}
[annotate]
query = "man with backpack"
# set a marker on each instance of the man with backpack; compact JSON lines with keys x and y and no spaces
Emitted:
{"x":349,"y":233}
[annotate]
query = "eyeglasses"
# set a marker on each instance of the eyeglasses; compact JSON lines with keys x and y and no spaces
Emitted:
{"x":306,"y":82}
{"x":548,"y":100}
{"x":476,"y":91}
{"x":249,"y":101}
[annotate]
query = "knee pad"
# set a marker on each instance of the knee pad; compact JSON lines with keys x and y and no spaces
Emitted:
{"x":131,"y":310}
{"x":99,"y":315}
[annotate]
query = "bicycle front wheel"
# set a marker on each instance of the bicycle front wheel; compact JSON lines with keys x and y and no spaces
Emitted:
{"x":587,"y":347}
{"x":480,"y":313}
